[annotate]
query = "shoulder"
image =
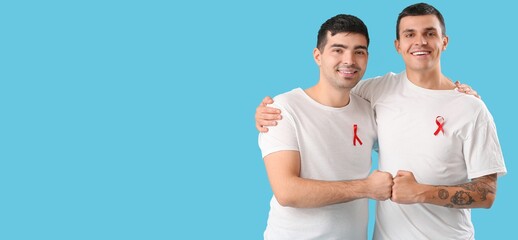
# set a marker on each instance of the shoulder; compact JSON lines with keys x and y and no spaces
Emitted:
{"x":357,"y":100}
{"x":360,"y":105}
{"x":475,"y":107}
{"x":287,"y":97}
{"x":291,"y":101}
{"x":387,"y":78}
{"x":471,"y":101}
{"x":379,"y":82}
{"x":373,"y":88}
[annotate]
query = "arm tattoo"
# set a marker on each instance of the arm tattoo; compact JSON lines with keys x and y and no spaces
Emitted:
{"x":443,"y":194}
{"x":483,"y":193}
{"x":462,"y":198}
{"x":481,"y":187}
{"x":468,"y":186}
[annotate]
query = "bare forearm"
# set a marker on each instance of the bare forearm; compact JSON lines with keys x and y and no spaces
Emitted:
{"x":479,"y":193}
{"x":307,"y":193}
{"x":291,"y":190}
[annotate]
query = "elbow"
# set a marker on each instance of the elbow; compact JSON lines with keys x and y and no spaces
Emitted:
{"x":490,"y":199}
{"x":286,"y":200}
{"x":288,"y":195}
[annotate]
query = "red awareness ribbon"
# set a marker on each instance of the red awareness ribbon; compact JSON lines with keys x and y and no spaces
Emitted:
{"x":356,"y":138}
{"x":439,"y":120}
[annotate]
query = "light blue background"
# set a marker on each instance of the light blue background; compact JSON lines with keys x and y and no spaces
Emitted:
{"x":135,"y":119}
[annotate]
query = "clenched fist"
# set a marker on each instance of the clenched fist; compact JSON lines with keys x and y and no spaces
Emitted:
{"x":379,"y":185}
{"x":406,"y":190}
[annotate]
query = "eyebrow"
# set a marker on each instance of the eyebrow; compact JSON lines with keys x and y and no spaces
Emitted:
{"x":344,"y":46}
{"x":426,"y":30}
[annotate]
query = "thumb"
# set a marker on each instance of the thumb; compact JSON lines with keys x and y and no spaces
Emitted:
{"x":266,"y":100}
{"x":401,"y":173}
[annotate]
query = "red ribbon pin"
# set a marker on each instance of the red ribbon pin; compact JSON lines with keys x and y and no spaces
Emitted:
{"x":439,"y":120}
{"x":356,"y":138}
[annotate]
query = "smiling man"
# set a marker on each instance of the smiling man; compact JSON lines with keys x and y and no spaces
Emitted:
{"x":440,"y":145}
{"x":321,"y":182}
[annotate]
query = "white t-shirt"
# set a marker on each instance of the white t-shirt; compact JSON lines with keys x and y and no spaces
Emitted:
{"x":444,"y":137}
{"x":324,"y":136}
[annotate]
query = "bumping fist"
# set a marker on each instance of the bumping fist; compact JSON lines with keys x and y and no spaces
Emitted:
{"x":380,"y":185}
{"x":406,"y":190}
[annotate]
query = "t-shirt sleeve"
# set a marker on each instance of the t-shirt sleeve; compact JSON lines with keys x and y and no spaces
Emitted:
{"x":362,"y":89}
{"x":482,"y":151}
{"x":370,"y":89}
{"x":280,"y":137}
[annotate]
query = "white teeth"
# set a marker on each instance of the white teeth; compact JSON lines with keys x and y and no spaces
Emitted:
{"x":419,"y":53}
{"x":346,"y":71}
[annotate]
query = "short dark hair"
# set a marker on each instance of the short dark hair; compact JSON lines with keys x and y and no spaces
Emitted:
{"x":420,"y":9}
{"x":339,"y":24}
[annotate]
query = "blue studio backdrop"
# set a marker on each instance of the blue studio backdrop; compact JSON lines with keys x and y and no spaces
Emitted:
{"x":135,"y":119}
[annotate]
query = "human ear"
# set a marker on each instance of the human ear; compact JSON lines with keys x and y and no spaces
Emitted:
{"x":396,"y":45}
{"x":316,"y":56}
{"x":445,"y":41}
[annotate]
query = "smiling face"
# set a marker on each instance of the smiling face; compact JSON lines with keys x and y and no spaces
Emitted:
{"x":343,"y":59}
{"x":421,"y":42}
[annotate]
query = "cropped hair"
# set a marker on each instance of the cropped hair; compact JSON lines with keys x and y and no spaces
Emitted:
{"x":341,"y":23}
{"x":420,"y":9}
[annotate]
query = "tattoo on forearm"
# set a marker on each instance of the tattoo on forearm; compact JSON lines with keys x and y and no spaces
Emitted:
{"x":483,"y":193}
{"x":462,"y":198}
{"x":443,"y":194}
{"x":481,"y":187}
{"x":468,"y":186}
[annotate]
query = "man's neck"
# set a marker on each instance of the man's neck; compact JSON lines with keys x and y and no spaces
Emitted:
{"x":328,"y":96}
{"x":433,"y":80}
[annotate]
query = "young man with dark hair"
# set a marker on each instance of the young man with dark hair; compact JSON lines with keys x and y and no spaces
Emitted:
{"x":321,"y":183}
